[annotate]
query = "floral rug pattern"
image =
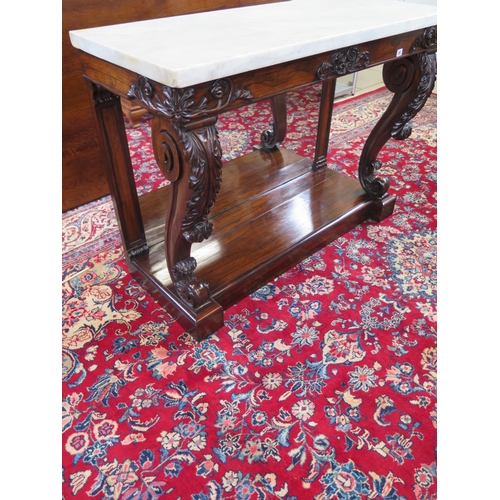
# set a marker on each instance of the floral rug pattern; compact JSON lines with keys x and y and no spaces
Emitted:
{"x":321,"y":385}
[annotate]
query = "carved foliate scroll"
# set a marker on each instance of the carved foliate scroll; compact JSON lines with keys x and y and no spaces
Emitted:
{"x":188,"y":152}
{"x":343,"y":62}
{"x":193,"y":141}
{"x":428,"y":68}
{"x":192,"y":160}
{"x":202,"y":151}
{"x":427,"y":41}
{"x":194,"y":291}
{"x":179,"y":106}
{"x":411,"y":79}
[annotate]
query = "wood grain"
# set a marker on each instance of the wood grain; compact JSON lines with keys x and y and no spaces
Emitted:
{"x":83,"y":170}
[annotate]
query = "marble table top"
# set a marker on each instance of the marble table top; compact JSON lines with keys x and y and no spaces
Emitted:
{"x":186,"y":50}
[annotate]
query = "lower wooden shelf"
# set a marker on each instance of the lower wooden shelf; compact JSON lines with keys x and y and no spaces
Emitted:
{"x":272,"y":212}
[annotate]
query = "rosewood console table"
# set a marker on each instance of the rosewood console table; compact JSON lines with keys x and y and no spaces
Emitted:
{"x":219,"y":232}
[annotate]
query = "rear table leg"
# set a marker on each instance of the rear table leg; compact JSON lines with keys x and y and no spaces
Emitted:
{"x":276,"y":134}
{"x":324,"y":123}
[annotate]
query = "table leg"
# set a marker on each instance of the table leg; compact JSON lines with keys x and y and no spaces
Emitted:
{"x":109,"y":117}
{"x":324,"y":123}
{"x":411,"y":79}
{"x":191,"y":159}
{"x":276,"y":134}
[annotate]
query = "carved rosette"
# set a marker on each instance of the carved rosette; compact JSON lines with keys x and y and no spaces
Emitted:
{"x":343,"y":62}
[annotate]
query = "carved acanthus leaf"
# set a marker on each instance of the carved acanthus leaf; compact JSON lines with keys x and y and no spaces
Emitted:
{"x":179,"y":105}
{"x":428,"y":40}
{"x":428,"y":67}
{"x":374,"y":186}
{"x":203,"y":151}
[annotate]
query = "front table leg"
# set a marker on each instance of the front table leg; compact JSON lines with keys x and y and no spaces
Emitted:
{"x":188,"y":151}
{"x":191,"y":159}
{"x":412,"y":80}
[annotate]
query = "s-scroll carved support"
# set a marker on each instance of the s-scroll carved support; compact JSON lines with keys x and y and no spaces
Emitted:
{"x":192,"y":161}
{"x":411,"y":79}
{"x":188,"y":152}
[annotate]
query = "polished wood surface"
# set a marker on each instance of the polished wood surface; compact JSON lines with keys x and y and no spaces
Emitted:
{"x":245,"y":246}
{"x":83,"y":170}
{"x":219,"y":232}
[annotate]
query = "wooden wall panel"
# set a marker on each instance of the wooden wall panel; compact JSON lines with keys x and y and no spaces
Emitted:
{"x":83,"y":175}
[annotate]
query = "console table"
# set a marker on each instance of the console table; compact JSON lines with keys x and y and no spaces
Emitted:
{"x":220,"y":231}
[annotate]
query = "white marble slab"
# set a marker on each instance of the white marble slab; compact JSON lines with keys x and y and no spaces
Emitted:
{"x":185,"y":50}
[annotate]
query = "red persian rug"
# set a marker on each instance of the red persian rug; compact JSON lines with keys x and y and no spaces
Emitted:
{"x":321,"y":385}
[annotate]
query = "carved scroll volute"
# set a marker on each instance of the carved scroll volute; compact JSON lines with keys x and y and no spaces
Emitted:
{"x":399,"y":77}
{"x":412,"y":80}
{"x":167,"y":153}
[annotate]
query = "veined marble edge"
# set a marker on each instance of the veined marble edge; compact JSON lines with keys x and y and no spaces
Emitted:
{"x":183,"y":77}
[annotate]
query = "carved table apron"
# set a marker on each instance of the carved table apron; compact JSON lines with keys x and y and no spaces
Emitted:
{"x":219,"y":232}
